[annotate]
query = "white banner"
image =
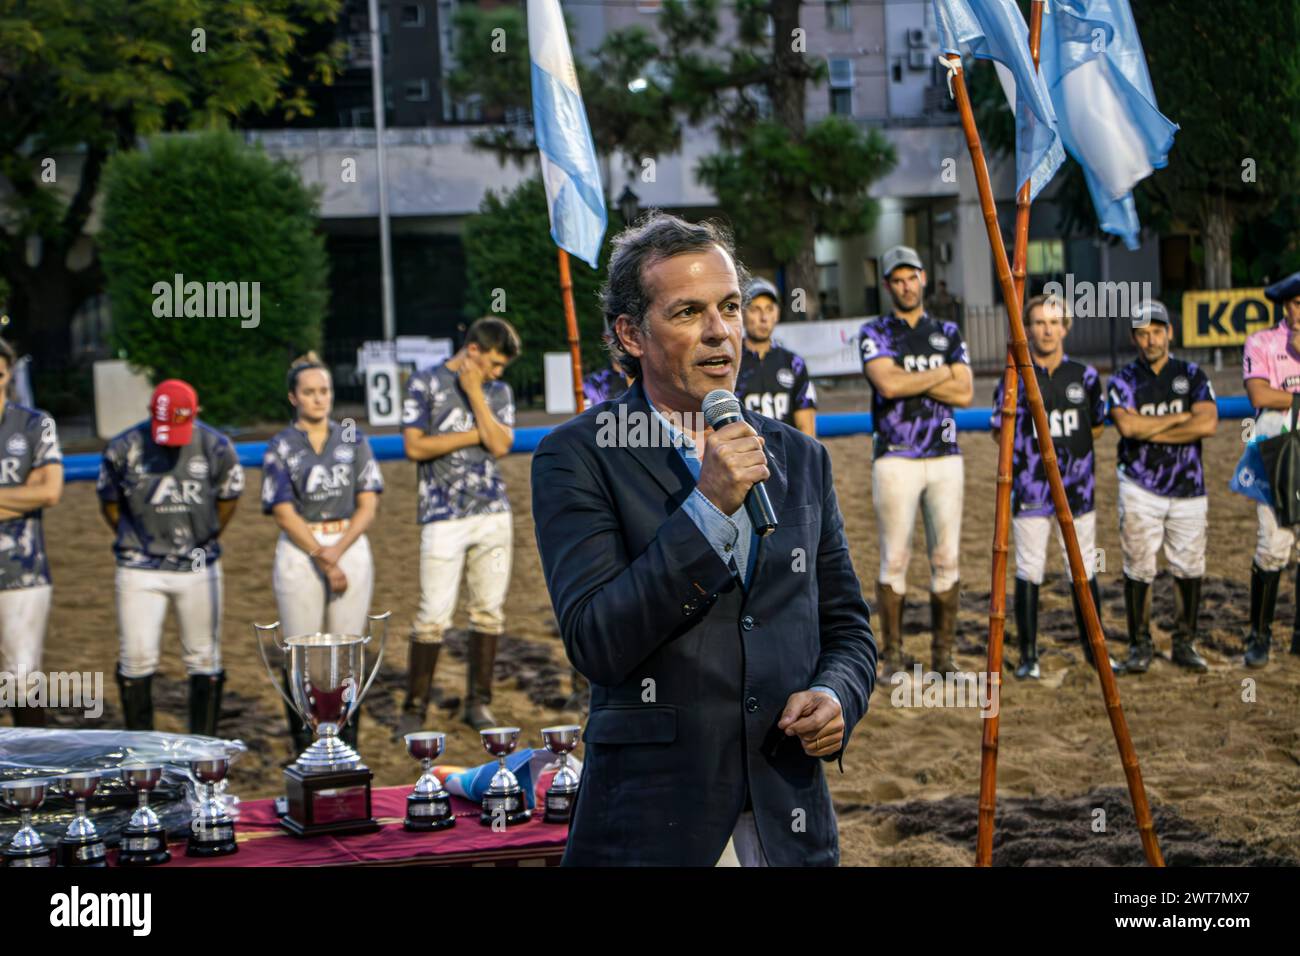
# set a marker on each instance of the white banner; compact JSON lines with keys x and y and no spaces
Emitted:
{"x":420,"y":351}
{"x":829,"y":347}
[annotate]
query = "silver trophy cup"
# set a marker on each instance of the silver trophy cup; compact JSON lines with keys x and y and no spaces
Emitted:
{"x":325,"y":680}
{"x":26,"y":848}
{"x":212,"y":831}
{"x":428,"y":806}
{"x":144,"y":841}
{"x":81,"y":845}
{"x":504,"y":799}
{"x":561,"y":741}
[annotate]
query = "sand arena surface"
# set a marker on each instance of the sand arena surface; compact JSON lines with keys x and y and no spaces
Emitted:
{"x":1222,"y":774}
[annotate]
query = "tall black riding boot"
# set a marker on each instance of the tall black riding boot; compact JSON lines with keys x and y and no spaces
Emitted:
{"x":1295,"y":628}
{"x":1027,"y":628}
{"x":1095,"y":590}
{"x":478,"y":690}
{"x":1263,"y":602}
{"x":205,"y":702}
{"x":1189,"y":609}
{"x":137,"y":701}
{"x":422,"y":660}
{"x":1137,"y":612}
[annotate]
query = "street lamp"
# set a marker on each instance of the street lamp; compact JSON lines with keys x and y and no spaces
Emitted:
{"x":629,"y":205}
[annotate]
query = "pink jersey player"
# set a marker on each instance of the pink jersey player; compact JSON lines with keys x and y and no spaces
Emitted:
{"x":1268,"y":356}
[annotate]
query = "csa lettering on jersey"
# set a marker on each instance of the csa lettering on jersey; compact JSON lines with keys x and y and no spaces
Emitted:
{"x":1171,"y":471}
{"x":776,"y":385}
{"x":916,"y":426}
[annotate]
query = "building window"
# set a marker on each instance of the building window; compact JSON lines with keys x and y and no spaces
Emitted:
{"x":648,"y":6}
{"x":841,"y":84}
{"x":412,"y":14}
{"x":839,"y":16}
{"x":416,"y":91}
{"x":1046,"y":256}
{"x":842,"y":102}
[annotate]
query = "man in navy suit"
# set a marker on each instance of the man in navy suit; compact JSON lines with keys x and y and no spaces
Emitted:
{"x":724,"y":667}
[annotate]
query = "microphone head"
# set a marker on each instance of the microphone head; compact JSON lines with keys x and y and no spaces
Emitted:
{"x":720,"y":404}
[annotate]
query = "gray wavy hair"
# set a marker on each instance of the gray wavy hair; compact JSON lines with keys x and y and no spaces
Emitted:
{"x":654,"y":237}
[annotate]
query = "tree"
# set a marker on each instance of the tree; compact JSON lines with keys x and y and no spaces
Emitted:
{"x":510,"y":266}
{"x":222,"y":216}
{"x":86,"y":78}
{"x":1228,"y":72}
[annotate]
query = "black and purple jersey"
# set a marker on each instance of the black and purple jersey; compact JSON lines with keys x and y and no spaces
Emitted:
{"x":776,"y":385}
{"x":1172,"y":471}
{"x":1074,"y":404}
{"x":603,"y":385}
{"x":917,"y":426}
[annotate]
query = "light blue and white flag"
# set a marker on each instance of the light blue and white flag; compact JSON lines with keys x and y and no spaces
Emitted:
{"x":1096,"y":72}
{"x":995,"y":30}
{"x":574,"y":196}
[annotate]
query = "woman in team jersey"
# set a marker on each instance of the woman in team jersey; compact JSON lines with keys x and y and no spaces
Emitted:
{"x":321,"y":483}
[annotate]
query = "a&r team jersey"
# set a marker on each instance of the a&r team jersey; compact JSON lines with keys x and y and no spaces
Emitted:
{"x":28,"y":440}
{"x":776,"y":385}
{"x":1172,"y":471}
{"x":168,"y":496}
{"x":917,"y":426}
{"x":1073,"y":400}
{"x":465,"y":482}
{"x":321,"y":487}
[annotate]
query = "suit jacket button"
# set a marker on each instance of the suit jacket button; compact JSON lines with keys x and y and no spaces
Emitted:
{"x":747,"y":622}
{"x":751,"y":704}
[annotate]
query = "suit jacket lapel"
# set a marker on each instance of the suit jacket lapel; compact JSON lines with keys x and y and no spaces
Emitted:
{"x":664,"y":462}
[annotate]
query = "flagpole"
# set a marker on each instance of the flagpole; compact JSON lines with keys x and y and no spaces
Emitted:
{"x":1034,"y":397}
{"x":571,"y":324}
{"x":1002,"y":516}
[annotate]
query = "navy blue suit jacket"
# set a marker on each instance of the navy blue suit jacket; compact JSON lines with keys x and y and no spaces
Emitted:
{"x":689,"y":673}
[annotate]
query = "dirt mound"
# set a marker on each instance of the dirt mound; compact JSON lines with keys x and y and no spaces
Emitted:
{"x":1058,"y":831}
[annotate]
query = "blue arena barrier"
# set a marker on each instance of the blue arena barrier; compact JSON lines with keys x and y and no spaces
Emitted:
{"x":85,"y":466}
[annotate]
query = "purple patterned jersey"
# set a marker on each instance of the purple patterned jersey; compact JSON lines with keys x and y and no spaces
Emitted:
{"x":1074,"y":404}
{"x":776,"y":385}
{"x":917,"y":426}
{"x":1173,"y":471}
{"x":603,"y":385}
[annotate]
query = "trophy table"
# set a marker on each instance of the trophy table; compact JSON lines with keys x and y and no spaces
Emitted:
{"x":328,"y":787}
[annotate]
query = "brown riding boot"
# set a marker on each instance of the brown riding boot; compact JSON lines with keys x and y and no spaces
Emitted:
{"x":889,"y":614}
{"x":482,"y":654}
{"x":943,"y":625}
{"x":422,"y":659}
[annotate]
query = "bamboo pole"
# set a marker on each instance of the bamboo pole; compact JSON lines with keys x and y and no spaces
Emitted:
{"x":1002,"y":516}
{"x":571,"y":324}
{"x":1020,"y":348}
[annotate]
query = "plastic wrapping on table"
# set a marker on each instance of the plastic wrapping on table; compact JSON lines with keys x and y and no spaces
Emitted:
{"x":28,"y":752}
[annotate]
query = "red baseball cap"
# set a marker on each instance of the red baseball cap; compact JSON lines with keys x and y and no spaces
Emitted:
{"x":171,"y":412}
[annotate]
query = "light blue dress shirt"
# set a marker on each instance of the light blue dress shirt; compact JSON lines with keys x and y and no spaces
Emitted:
{"x":732,"y":536}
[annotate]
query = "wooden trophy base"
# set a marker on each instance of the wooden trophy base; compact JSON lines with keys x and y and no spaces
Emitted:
{"x":331,"y":802}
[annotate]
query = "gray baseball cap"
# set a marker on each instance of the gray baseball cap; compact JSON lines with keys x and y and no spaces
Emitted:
{"x":900,"y":256}
{"x":1152,"y":310}
{"x":760,"y":286}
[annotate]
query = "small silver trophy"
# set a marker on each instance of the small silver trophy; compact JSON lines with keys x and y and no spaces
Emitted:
{"x":26,"y":848}
{"x":212,"y":832}
{"x":81,"y":845}
{"x":428,"y":806}
{"x":144,"y":841}
{"x":504,"y":798}
{"x":561,"y":741}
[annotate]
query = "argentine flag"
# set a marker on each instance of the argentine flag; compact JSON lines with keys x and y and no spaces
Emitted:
{"x":1097,"y":75}
{"x":995,"y":30}
{"x":574,"y":196}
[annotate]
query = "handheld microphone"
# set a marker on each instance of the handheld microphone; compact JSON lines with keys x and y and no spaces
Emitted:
{"x":721,"y":408}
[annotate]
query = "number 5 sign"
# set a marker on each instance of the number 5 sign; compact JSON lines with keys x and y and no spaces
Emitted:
{"x":383,"y":399}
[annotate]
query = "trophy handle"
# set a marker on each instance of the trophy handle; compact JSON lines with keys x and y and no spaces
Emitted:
{"x":270,"y":672}
{"x":383,"y":640}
